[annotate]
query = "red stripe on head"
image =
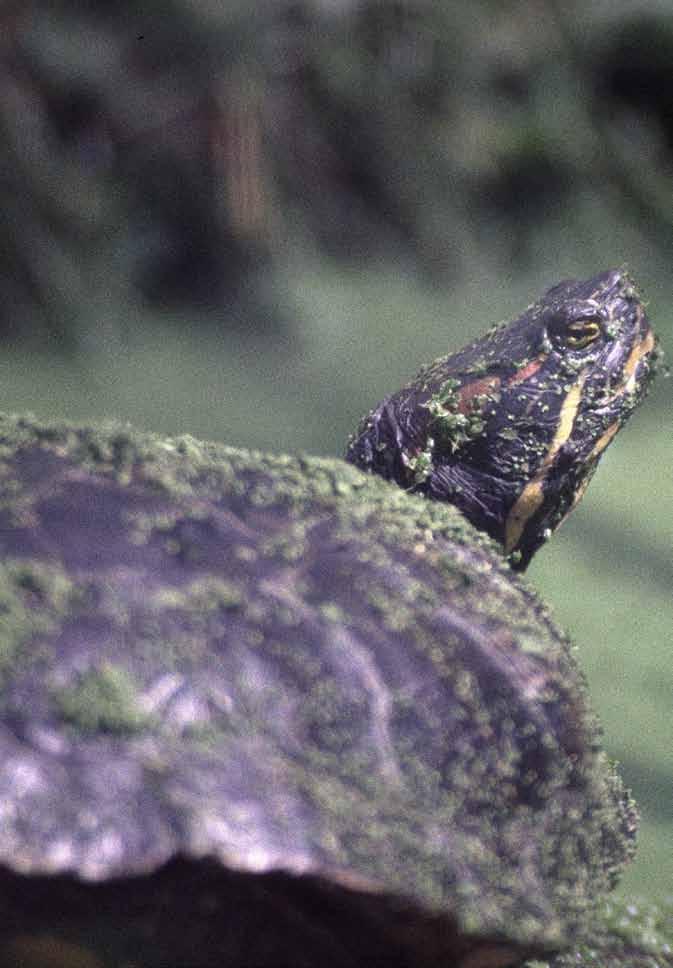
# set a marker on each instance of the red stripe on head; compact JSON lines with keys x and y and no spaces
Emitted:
{"x":478,"y":388}
{"x":528,"y":370}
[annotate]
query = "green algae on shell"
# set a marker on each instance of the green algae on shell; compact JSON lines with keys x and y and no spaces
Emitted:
{"x":296,"y":670}
{"x":626,"y":932}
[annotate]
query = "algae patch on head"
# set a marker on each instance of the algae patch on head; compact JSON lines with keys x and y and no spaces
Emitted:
{"x":102,"y":700}
{"x":453,"y":423}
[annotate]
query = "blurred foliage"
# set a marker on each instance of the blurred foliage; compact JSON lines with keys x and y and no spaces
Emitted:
{"x":251,"y":220}
{"x":184,"y":151}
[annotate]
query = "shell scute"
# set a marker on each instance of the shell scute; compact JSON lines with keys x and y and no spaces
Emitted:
{"x":362,"y":653}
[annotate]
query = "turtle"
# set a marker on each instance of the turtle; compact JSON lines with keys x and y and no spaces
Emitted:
{"x":273,"y":710}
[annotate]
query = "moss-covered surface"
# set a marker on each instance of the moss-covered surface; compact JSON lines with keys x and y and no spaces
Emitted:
{"x":103,"y":700}
{"x":626,"y":933}
{"x":290,"y":665}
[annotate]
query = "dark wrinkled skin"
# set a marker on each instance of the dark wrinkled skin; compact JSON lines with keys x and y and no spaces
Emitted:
{"x":268,"y":711}
{"x":510,"y":429}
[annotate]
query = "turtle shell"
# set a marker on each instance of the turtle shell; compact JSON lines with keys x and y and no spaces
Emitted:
{"x":275,"y":711}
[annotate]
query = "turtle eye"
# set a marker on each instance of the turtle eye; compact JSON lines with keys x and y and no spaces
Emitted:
{"x":581,"y":333}
{"x":573,"y":327}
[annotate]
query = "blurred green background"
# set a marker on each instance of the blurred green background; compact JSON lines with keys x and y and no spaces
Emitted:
{"x":250,"y":221}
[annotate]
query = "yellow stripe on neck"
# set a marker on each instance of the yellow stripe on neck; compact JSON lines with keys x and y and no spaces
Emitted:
{"x":639,"y":351}
{"x":532,"y":496}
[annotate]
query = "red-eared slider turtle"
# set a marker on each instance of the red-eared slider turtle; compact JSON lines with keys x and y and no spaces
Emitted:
{"x":269,"y":711}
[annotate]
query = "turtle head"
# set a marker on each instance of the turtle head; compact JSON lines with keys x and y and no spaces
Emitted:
{"x":511,"y":428}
